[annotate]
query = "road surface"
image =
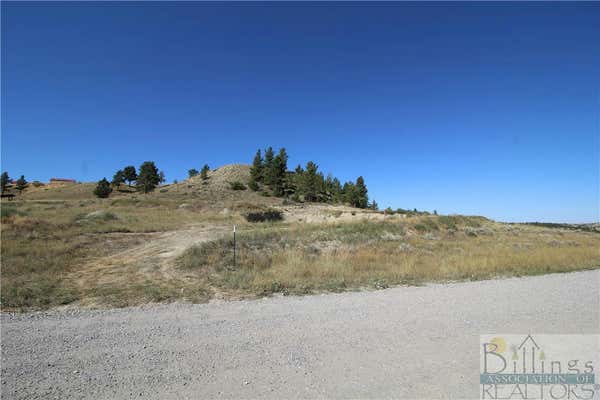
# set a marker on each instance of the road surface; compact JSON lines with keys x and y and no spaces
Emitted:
{"x":408,"y":342}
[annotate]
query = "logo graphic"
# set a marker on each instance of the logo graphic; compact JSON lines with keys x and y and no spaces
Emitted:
{"x":549,"y":367}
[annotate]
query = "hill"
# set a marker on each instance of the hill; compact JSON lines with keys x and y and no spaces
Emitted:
{"x":62,"y":245}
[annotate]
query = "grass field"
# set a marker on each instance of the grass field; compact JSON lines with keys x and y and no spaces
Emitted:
{"x":301,"y":259}
{"x":95,"y":252}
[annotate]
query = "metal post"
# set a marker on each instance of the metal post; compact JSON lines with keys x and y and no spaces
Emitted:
{"x":234,"y":246}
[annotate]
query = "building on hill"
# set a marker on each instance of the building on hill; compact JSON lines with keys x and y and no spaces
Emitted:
{"x":62,"y":180}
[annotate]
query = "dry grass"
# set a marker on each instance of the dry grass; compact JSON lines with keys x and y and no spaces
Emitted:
{"x":94,"y":252}
{"x":333,"y":257}
{"x":44,"y":242}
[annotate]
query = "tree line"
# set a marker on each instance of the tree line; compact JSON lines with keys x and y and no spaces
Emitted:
{"x":20,"y":184}
{"x":270,"y":170}
{"x":146,"y":178}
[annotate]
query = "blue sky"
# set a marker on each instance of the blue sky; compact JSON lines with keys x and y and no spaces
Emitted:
{"x":475,"y":108}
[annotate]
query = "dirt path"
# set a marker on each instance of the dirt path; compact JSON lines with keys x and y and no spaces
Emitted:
{"x":153,"y":260}
{"x":405,"y":342}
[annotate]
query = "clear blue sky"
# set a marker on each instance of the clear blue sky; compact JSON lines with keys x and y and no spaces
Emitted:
{"x":475,"y":108}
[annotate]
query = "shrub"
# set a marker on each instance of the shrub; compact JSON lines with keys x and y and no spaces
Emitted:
{"x":237,"y":185}
{"x":264,"y":216}
{"x":103,"y":189}
{"x":253,"y":185}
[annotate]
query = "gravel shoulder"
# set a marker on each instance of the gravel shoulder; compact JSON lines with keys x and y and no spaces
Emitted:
{"x":386,"y":343}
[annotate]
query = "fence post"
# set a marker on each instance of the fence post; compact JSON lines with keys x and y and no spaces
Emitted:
{"x":234,"y":246}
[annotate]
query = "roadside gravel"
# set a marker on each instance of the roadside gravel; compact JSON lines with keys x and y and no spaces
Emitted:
{"x":409,"y":342}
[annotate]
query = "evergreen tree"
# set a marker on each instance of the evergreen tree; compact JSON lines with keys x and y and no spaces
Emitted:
{"x":253,"y":185}
{"x":192,"y":172}
{"x":374,"y":205}
{"x":103,"y":189}
{"x":310,"y":182}
{"x":118,"y":178}
{"x":204,"y":172}
{"x":21,"y":184}
{"x":268,"y":170}
{"x":278,"y":173}
{"x":349,"y":193}
{"x":257,"y":167}
{"x":148,"y":177}
{"x":4,"y":179}
{"x":130,"y":174}
{"x":362,"y":199}
{"x":161,"y":177}
{"x":336,"y":190}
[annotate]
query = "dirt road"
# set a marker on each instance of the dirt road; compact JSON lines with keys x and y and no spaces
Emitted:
{"x":409,"y":342}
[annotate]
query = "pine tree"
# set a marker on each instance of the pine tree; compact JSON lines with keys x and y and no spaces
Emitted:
{"x":118,"y":178}
{"x":21,"y":183}
{"x":374,"y":205}
{"x":279,"y":171}
{"x":268,"y":175}
{"x":310,"y":182}
{"x":362,"y":199}
{"x":148,"y":177}
{"x":204,"y":172}
{"x":161,"y":177}
{"x":257,"y":167}
{"x":130,"y":174}
{"x":192,"y":172}
{"x":103,"y":189}
{"x":349,"y":193}
{"x":4,"y":179}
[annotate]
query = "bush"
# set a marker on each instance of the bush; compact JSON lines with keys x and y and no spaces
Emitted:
{"x":264,"y":216}
{"x":103,"y":189}
{"x":237,"y":185}
{"x":253,"y":185}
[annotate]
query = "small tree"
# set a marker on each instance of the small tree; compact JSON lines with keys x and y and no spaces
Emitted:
{"x":204,"y":172}
{"x":103,"y":189}
{"x":192,"y":172}
{"x":148,"y":177}
{"x":21,"y":184}
{"x":257,"y":167}
{"x":361,"y":199}
{"x":118,"y":178}
{"x":253,"y":185}
{"x":374,"y":205}
{"x":268,"y":170}
{"x":161,"y":177}
{"x":310,"y":182}
{"x":278,"y":173}
{"x":4,"y":179}
{"x":130,"y":174}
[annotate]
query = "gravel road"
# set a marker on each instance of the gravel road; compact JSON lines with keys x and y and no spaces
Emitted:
{"x":386,"y":343}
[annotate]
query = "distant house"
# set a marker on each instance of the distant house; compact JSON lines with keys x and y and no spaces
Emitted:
{"x":62,"y":180}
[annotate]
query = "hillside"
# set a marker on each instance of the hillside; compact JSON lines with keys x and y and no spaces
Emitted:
{"x":215,"y":192}
{"x":62,"y":245}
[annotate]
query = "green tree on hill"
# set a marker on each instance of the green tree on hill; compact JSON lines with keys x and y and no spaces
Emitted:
{"x":374,"y":205}
{"x":204,"y":172}
{"x":362,"y":199}
{"x":4,"y":179}
{"x":148,"y":177}
{"x":268,"y":176}
{"x":192,"y":173}
{"x":130,"y":174}
{"x":103,"y":189}
{"x":21,"y":184}
{"x":118,"y":178}
{"x":256,"y":171}
{"x":278,"y":173}
{"x":310,"y":182}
